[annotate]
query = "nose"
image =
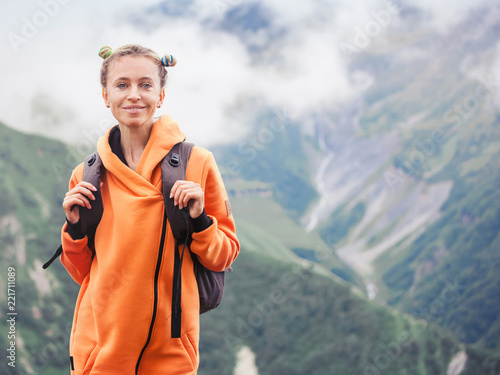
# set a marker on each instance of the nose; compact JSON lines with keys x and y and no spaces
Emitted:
{"x":134,"y":93}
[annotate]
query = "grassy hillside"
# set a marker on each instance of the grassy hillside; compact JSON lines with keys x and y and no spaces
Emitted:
{"x":449,"y":133}
{"x":272,"y":152}
{"x":462,"y":246}
{"x":295,"y":315}
{"x":263,"y":223}
{"x":297,"y":321}
{"x":32,"y":187}
{"x":424,"y":222}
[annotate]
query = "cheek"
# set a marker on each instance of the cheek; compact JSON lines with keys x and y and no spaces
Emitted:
{"x":155,"y":97}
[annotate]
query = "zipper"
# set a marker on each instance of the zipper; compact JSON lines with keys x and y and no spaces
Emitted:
{"x":155,"y":304}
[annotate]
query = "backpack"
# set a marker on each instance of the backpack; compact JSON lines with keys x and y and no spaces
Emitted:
{"x":173,"y":168}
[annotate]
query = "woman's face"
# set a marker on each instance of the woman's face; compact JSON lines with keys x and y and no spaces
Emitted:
{"x":133,"y":90}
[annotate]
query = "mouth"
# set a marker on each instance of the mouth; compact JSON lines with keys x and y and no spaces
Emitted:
{"x":133,"y":109}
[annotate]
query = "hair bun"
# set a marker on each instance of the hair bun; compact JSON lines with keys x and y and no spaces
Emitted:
{"x":168,"y":60}
{"x":105,"y":52}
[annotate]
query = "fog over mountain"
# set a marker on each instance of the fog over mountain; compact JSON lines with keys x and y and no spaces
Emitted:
{"x":359,"y":143}
{"x":288,"y":55}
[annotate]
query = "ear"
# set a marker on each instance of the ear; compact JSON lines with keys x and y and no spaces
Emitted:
{"x":162,"y":97}
{"x":104,"y":94}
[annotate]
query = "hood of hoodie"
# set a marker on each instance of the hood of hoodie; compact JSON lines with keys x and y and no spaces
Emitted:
{"x":165,"y":133}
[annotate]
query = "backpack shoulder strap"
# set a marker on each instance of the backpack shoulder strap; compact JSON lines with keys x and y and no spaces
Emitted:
{"x":92,"y":167}
{"x":173,"y":168}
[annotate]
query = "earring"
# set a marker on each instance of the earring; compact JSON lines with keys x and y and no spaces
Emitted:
{"x":158,"y":105}
{"x":107,"y":104}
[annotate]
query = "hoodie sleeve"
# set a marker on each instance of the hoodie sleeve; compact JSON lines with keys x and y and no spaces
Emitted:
{"x":76,"y":256}
{"x":216,"y":246}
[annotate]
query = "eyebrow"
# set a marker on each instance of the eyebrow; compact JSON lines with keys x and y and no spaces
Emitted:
{"x":128,"y":79}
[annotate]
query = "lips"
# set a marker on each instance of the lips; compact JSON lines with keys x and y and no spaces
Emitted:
{"x":132,"y":109}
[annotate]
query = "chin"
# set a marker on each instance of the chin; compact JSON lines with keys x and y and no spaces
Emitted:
{"x":135,"y":122}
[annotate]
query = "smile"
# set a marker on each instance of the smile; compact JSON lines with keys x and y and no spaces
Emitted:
{"x":133,"y":109}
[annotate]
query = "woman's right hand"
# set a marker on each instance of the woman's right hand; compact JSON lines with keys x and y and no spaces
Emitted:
{"x":80,"y":195}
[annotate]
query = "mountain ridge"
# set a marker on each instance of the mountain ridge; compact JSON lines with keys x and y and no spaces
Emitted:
{"x":310,"y":304}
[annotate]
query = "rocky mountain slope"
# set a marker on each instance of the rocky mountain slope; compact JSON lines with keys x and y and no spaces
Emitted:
{"x":294,"y":315}
{"x":369,"y":230}
{"x":411,"y":173}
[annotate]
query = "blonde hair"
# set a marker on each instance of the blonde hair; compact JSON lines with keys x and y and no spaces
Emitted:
{"x":135,"y":50}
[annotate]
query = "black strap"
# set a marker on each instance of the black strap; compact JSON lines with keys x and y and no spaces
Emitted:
{"x":175,"y":326}
{"x":173,"y":168}
{"x":54,"y":257}
{"x":92,"y":173}
{"x":92,"y":169}
{"x":177,"y":289}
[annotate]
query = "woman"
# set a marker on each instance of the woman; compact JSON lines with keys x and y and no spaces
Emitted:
{"x":121,"y":326}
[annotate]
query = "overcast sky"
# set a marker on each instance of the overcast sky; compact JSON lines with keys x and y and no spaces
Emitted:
{"x":49,"y":60}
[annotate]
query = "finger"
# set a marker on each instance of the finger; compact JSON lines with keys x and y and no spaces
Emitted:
{"x":188,"y":194}
{"x":74,"y":216}
{"x":70,"y":204}
{"x":180,"y":196}
{"x":179,"y":184}
{"x":78,"y":199}
{"x":195,"y":202}
{"x":195,"y":209}
{"x":81,"y":190}
{"x":180,"y":193}
{"x":78,"y":202}
{"x":178,"y":188}
{"x":87,"y":185}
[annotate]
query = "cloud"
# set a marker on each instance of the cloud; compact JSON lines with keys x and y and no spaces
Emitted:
{"x":448,"y":13}
{"x":295,"y":63}
{"x":59,"y":66}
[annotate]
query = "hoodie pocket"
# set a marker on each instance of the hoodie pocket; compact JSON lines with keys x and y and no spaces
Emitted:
{"x":89,"y":363}
{"x":190,"y":348}
{"x":82,"y":363}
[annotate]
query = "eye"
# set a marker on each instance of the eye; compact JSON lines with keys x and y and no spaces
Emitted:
{"x":121,"y":85}
{"x":147,"y":85}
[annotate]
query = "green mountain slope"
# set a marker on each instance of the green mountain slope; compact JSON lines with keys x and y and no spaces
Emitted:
{"x":456,"y":141}
{"x":32,"y":189}
{"x":296,"y":322}
{"x":412,"y":202}
{"x":272,"y":152}
{"x":462,"y":246}
{"x":295,"y":315}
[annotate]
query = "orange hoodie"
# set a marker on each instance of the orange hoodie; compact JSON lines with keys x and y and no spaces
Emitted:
{"x":122,"y":321}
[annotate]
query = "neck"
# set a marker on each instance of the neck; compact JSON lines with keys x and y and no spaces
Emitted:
{"x":133,"y":141}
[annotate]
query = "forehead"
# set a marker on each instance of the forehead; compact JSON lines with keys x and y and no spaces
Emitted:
{"x":133,"y":67}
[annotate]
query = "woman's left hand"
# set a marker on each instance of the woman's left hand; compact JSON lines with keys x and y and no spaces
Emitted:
{"x":187,"y":193}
